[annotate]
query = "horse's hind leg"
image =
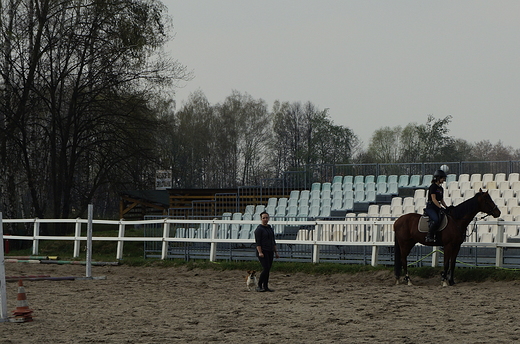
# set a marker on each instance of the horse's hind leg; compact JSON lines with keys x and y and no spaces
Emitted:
{"x":450,"y":259}
{"x":405,"y":250}
{"x":407,"y":277}
{"x":447,"y":254}
{"x":397,"y":261}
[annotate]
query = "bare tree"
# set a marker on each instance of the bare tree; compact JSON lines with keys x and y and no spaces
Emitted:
{"x":486,"y":151}
{"x":305,"y":135}
{"x":245,"y":122}
{"x":386,"y":145}
{"x":77,"y":76}
{"x":192,"y":143}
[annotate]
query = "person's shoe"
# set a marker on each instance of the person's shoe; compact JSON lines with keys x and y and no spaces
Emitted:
{"x":260,"y":289}
{"x":430,"y":236}
{"x":267,"y":289}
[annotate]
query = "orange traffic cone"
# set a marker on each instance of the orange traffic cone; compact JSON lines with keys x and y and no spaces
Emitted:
{"x":22,"y":312}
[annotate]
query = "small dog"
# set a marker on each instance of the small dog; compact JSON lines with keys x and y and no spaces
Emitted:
{"x":251,"y":281}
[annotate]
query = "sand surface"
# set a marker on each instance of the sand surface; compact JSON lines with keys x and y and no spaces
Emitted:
{"x":176,"y":305}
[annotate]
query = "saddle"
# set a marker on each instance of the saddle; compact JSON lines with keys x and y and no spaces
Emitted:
{"x":423,"y":222}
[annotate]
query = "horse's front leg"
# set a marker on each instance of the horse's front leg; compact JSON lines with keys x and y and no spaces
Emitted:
{"x":453,"y":262}
{"x":445,"y":278}
{"x":447,"y":255}
{"x":407,"y":279}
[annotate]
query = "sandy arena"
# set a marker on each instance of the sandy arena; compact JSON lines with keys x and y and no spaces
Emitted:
{"x":176,"y":305}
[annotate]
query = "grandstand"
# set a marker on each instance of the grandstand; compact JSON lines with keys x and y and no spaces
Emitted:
{"x":347,"y":193}
{"x":337,"y":213}
{"x":383,"y":197}
{"x":360,"y":209}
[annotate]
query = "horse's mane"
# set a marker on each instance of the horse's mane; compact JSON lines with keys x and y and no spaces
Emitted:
{"x":465,"y":207}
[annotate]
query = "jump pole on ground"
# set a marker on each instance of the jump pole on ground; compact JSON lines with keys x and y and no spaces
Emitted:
{"x":3,"y":290}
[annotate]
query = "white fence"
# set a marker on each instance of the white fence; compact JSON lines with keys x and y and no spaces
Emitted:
{"x":374,"y":234}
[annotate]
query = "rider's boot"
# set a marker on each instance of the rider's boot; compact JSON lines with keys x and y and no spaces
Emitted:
{"x":430,"y":237}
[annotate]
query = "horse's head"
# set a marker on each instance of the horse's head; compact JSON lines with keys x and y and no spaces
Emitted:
{"x":486,"y":204}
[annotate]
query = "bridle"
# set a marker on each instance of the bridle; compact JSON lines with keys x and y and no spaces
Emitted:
{"x":482,"y":218}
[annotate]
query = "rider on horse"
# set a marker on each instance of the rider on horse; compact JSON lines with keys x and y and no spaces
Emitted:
{"x":435,"y":203}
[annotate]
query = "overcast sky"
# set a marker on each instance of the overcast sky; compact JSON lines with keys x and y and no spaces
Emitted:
{"x":372,"y":63}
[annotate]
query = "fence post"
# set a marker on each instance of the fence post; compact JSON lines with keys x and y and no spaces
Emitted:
{"x":499,"y":257}
{"x":88,"y":267}
{"x":435,"y":256}
{"x":376,"y":237}
{"x":315,"y":246}
{"x":3,"y":289}
{"x":166,"y":234}
{"x":36,"y":234}
{"x":121,"y":234}
{"x":77,"y":241}
{"x":213,"y":247}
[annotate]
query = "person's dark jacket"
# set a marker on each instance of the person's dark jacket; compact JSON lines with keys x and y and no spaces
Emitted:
{"x":438,"y":191}
{"x":264,"y":237}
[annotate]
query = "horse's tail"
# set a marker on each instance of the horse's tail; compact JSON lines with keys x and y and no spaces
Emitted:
{"x":397,"y":258}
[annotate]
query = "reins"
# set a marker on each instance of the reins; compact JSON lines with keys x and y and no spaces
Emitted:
{"x":475,"y":225}
{"x":475,"y":222}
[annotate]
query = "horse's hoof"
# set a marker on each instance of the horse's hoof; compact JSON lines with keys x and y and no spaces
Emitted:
{"x":444,"y":283}
{"x":396,"y":281}
{"x":408,"y":280}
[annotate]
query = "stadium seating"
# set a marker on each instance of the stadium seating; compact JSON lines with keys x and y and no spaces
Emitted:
{"x":292,"y":213}
{"x":348,"y":179}
{"x":337,"y":204}
{"x":235,"y":228}
{"x":344,"y":192}
{"x":370,"y":179}
{"x":337,"y":187}
{"x":464,"y":177}
{"x":393,"y":189}
{"x":381,"y":188}
{"x":426,"y":181}
{"x":304,"y":197}
{"x":403,"y":181}
{"x":314,"y":211}
{"x":451,"y":178}
{"x":381,"y":179}
{"x":415,"y":181}
{"x":392,"y":179}
{"x":500,"y":177}
{"x":246,"y":230}
{"x":337,"y":179}
{"x":303,"y":212}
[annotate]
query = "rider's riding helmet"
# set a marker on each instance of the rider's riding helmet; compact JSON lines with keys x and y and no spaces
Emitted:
{"x":439,"y":174}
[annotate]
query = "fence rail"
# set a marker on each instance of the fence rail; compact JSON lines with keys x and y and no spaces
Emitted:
{"x":312,"y":241}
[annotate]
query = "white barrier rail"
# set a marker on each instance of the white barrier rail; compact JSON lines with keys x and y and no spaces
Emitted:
{"x":374,"y":233}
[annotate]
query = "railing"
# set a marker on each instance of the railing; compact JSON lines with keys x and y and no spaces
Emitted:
{"x":317,"y":235}
{"x":324,"y":173}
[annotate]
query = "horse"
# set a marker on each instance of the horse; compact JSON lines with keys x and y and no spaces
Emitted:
{"x":451,"y":237}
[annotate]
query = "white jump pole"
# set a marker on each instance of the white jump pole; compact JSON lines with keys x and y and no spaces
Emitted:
{"x":3,"y":290}
{"x":89,"y":242}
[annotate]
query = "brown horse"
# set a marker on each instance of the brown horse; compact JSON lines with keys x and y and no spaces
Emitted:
{"x":451,"y":237}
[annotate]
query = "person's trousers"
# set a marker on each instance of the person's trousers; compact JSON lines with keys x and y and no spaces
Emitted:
{"x":433,"y":214}
{"x":267,"y":262}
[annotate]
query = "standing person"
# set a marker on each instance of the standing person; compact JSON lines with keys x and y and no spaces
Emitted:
{"x":265,"y":250}
{"x":435,"y":203}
